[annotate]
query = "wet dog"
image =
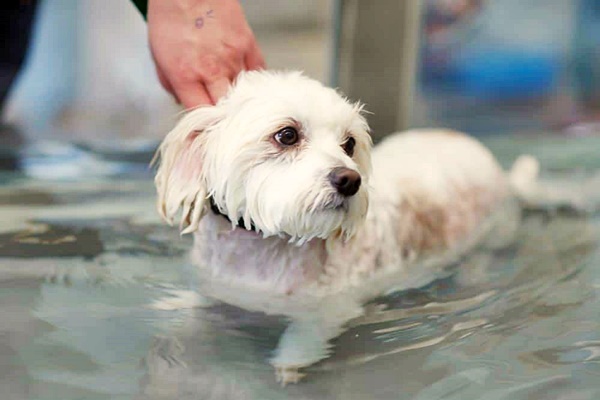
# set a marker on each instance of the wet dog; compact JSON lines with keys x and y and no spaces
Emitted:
{"x":293,"y":213}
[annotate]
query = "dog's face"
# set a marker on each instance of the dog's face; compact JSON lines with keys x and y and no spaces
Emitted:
{"x":280,"y":151}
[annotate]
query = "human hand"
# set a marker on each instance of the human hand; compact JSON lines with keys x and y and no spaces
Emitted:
{"x":199,"y":47}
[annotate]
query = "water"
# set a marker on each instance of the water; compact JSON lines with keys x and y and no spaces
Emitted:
{"x":82,"y":259}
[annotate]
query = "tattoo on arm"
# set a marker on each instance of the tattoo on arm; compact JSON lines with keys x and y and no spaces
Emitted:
{"x":199,"y":22}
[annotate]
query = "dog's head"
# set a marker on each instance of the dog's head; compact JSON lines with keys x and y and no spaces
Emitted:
{"x":280,"y":151}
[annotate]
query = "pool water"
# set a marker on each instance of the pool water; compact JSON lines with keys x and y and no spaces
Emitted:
{"x":83,"y":258}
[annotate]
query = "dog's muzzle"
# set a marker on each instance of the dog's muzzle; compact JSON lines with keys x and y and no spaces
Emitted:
{"x":346,"y":181}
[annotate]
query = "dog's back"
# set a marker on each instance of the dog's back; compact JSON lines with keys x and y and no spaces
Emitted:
{"x":437,"y":186}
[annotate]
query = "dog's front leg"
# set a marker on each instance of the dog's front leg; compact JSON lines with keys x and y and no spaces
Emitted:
{"x":303,"y":343}
{"x":306,"y":340}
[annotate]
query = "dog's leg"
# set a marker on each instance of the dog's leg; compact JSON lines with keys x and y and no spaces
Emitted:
{"x":303,"y":343}
{"x":306,"y":341}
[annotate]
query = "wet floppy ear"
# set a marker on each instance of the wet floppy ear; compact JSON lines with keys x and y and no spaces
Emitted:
{"x":179,"y":180}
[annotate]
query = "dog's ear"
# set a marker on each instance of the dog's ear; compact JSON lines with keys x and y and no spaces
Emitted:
{"x":179,"y":180}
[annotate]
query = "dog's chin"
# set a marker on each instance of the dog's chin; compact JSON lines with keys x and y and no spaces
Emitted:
{"x":319,"y":224}
{"x":326,"y":220}
{"x":330,"y":216}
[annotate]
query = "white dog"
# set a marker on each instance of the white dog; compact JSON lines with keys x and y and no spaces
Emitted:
{"x":291,"y":216}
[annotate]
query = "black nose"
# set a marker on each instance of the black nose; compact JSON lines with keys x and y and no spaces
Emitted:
{"x":345,"y":180}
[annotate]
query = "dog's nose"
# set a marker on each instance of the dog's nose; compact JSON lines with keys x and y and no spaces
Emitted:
{"x":345,"y":180}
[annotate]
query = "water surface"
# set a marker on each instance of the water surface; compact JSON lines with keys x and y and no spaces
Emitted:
{"x":83,"y":257}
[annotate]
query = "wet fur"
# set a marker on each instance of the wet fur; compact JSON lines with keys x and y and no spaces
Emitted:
{"x":428,"y":197}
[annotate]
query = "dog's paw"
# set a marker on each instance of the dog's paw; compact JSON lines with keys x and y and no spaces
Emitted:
{"x":295,"y":352}
{"x":288,"y":374}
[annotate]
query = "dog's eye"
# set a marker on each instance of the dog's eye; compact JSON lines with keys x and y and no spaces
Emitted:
{"x":348,"y":146}
{"x":287,"y":136}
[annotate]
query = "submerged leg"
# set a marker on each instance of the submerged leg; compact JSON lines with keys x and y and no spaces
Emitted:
{"x":306,"y":342}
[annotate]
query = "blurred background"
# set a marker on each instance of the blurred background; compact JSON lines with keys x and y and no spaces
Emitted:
{"x":89,"y":76}
{"x":83,"y":251}
{"x":486,"y":67}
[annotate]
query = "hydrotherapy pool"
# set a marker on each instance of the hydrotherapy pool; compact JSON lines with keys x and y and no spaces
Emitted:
{"x":83,"y":257}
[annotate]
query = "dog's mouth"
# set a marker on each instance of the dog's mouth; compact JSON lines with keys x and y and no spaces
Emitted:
{"x":336,"y":203}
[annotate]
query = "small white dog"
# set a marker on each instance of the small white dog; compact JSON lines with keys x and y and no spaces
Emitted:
{"x":290,"y":217}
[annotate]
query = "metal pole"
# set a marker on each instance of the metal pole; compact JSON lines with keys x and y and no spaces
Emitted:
{"x":376,"y":55}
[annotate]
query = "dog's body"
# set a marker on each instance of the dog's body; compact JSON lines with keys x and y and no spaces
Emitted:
{"x":319,"y":232}
{"x":440,"y":192}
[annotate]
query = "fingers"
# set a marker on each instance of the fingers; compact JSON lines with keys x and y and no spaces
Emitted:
{"x":218,"y":88}
{"x":204,"y":92}
{"x":164,"y":82}
{"x":215,"y":77}
{"x":192,"y":94}
{"x":197,"y":64}
{"x":254,"y":58}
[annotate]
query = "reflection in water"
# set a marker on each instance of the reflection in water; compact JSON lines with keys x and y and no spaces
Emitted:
{"x":81,"y":265}
{"x":44,"y":241}
{"x":579,"y":352}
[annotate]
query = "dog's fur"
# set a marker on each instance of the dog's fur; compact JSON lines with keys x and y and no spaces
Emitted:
{"x":427,"y":196}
